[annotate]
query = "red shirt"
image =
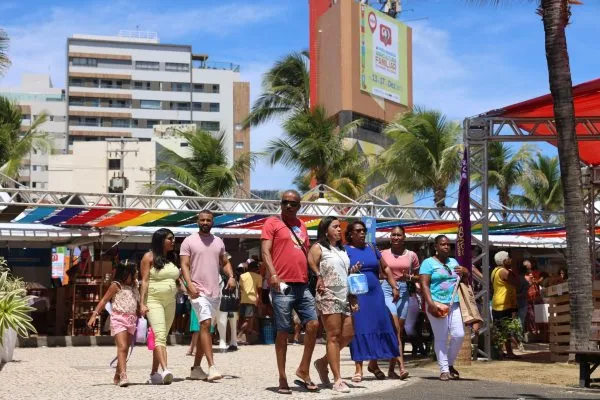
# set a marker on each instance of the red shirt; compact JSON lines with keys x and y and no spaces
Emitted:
{"x":288,"y":258}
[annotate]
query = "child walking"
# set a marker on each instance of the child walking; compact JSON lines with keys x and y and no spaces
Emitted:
{"x":125,"y":298}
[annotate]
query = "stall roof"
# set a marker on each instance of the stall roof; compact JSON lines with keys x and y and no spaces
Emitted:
{"x":586,"y":98}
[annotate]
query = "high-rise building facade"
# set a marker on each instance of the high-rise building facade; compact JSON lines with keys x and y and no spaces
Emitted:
{"x":36,"y":95}
{"x":122,"y":86}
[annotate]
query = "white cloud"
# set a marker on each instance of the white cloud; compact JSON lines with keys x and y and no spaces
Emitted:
{"x":38,"y":40}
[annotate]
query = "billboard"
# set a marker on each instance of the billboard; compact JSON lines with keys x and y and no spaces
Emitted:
{"x":383,"y":56}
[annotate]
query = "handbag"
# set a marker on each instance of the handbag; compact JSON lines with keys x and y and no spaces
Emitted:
{"x":435,"y":312}
{"x":141,"y":331}
{"x":230,"y":299}
{"x":468,"y":305}
{"x":150,"y":342}
{"x":357,"y":284}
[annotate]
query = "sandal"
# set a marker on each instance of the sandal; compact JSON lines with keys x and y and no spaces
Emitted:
{"x":404,"y":374}
{"x":306,"y":384}
{"x":323,"y":372}
{"x":357,"y":377}
{"x":284,"y":390}
{"x":116,"y":378}
{"x":393,"y":375}
{"x":379,"y":375}
{"x":444,"y":376}
{"x":454,"y":373}
{"x":341,"y":387}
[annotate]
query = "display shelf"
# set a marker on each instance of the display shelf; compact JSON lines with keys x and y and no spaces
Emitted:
{"x":86,"y":292}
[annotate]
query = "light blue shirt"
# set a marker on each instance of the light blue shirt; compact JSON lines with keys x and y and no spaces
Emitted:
{"x":443,"y":279}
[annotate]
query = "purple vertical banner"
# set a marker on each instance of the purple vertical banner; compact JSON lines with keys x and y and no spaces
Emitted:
{"x":463,"y":237}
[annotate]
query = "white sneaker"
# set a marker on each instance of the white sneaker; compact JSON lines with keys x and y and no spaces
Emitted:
{"x":167,"y":377}
{"x":213,"y":374}
{"x":155,"y":379}
{"x":198,"y":374}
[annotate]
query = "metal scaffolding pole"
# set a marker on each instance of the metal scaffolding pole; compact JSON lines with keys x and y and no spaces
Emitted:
{"x":475,"y":139}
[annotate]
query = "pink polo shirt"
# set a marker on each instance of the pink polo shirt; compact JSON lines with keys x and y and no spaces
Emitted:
{"x":205,"y":254}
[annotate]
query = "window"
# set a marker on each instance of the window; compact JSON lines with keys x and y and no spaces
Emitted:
{"x":177,"y":67}
{"x":239,"y":145}
{"x":121,"y":123}
{"x":138,"y":85}
{"x":34,"y":184}
{"x":114,"y":164}
{"x":76,"y":82}
{"x":150,"y":104}
{"x":215,"y":88}
{"x":214,"y":107}
{"x":182,"y":106}
{"x":180,"y":87}
{"x":210,"y":125}
{"x":198,"y":87}
{"x":152,"y":122}
{"x":84,"y":62}
{"x":149,"y":65}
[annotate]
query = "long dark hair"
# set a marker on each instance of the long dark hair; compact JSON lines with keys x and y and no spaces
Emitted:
{"x":322,"y":233}
{"x":124,"y":270}
{"x":351,"y":228}
{"x":158,"y":246}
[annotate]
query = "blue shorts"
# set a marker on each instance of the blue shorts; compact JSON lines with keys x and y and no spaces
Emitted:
{"x":399,"y":309}
{"x":298,"y":299}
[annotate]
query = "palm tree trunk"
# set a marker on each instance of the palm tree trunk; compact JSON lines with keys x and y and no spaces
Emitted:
{"x":439,"y":198}
{"x":555,"y":17}
{"x":504,"y":197}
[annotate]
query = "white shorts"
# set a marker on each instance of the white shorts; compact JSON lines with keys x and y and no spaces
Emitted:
{"x":205,"y":307}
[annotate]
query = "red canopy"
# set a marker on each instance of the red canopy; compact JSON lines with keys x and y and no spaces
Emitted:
{"x":586,"y":97}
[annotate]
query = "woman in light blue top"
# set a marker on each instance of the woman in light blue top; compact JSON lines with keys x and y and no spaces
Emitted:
{"x":439,"y":276}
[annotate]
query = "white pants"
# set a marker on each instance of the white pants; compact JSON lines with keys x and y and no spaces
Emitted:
{"x":222,"y":328}
{"x":446,"y":351}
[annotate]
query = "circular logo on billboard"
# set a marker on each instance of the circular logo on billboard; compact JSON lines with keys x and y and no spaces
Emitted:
{"x":372,"y":21}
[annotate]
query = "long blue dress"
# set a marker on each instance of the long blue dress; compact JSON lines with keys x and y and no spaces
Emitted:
{"x":374,"y":335}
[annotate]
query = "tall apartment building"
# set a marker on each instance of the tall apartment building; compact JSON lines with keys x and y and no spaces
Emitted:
{"x":36,"y":95}
{"x":122,"y":86}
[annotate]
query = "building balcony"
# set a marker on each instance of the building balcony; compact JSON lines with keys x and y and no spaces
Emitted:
{"x":219,"y":65}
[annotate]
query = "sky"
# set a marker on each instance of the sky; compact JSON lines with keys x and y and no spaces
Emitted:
{"x":467,"y":58}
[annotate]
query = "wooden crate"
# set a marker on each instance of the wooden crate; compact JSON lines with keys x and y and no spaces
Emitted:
{"x":559,"y":318}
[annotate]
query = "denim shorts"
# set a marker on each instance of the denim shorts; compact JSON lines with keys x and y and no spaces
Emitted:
{"x":399,"y":309}
{"x":298,"y":299}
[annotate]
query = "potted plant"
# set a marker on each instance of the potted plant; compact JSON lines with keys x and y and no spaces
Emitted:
{"x":502,"y":331}
{"x":14,"y":312}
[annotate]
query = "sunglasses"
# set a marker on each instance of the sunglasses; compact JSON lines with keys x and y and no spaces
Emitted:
{"x":290,"y":202}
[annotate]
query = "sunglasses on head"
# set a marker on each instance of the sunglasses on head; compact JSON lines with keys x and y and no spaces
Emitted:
{"x":290,"y":202}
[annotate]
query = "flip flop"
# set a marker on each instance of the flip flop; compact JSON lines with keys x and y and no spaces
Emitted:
{"x":454,"y":373}
{"x":308,"y":385}
{"x":379,"y":375}
{"x":403,"y":375}
{"x":323,"y":372}
{"x":357,"y":378}
{"x":284,"y":390}
{"x":393,"y":375}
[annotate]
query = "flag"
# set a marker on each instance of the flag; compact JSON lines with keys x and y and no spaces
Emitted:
{"x":463,"y":237}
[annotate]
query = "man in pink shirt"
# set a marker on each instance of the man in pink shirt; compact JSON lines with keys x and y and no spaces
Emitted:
{"x":202,"y":256}
{"x":284,"y":247}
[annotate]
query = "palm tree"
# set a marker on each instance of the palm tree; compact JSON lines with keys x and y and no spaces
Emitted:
{"x":4,"y":61}
{"x":542,"y":188}
{"x":424,"y":155}
{"x":286,"y":89}
{"x":207,"y":170}
{"x":505,"y":168}
{"x":555,"y":17}
{"x":314,"y":146}
{"x":15,"y":143}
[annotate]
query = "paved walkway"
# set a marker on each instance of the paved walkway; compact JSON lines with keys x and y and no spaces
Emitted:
{"x":83,"y":373}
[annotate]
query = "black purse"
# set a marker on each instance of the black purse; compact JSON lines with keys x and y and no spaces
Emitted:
{"x":230,"y":299}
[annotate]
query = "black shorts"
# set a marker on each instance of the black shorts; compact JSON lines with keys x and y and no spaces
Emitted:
{"x":180,"y":309}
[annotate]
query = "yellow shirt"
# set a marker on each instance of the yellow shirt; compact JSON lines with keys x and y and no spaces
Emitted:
{"x":505,"y":295}
{"x":250,"y":284}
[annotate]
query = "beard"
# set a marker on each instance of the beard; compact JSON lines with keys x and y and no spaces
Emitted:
{"x":205,"y":229}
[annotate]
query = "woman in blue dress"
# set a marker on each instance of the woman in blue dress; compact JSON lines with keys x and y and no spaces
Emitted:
{"x":374,"y":336}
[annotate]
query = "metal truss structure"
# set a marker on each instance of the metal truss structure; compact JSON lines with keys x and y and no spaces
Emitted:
{"x":371,"y":208}
{"x":478,"y":132}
